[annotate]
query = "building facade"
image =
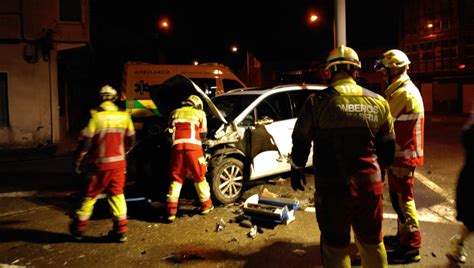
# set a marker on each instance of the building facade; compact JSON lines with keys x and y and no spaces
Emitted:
{"x":32,"y":35}
{"x":438,"y":37}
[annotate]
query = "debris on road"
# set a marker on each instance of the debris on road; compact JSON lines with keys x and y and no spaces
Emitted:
{"x":220,"y":225}
{"x":299,"y":252}
{"x":253,"y":232}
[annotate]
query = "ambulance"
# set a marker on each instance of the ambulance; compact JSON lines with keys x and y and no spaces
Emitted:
{"x":139,"y":77}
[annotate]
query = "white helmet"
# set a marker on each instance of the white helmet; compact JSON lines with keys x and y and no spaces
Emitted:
{"x":193,"y":101}
{"x":342,"y":55}
{"x":107,"y":92}
{"x":393,"y":58}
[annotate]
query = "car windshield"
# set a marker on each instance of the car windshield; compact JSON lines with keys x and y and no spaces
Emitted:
{"x":231,"y":106}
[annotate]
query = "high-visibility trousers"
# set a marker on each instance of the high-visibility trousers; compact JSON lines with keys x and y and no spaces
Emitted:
{"x":112,"y":182}
{"x":401,"y":181}
{"x":185,"y":163}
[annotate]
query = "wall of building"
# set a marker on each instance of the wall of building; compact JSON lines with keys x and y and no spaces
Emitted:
{"x":427,"y":95}
{"x":468,"y":97}
{"x":31,"y":34}
{"x":32,"y":100}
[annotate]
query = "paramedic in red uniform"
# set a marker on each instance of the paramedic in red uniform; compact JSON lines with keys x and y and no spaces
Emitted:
{"x":108,"y":137}
{"x":188,"y":126}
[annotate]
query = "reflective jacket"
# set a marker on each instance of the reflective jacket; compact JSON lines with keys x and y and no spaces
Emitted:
{"x":406,"y":106}
{"x":187,"y":125}
{"x":349,"y":127}
{"x":109,"y":135}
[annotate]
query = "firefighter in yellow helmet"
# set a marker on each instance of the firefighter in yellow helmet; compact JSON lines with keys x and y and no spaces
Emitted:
{"x":352,"y":134}
{"x":108,"y":137}
{"x":406,"y":106}
{"x":188,"y":126}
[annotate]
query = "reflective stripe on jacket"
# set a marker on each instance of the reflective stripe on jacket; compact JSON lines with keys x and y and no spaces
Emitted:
{"x":345,"y":123}
{"x":107,"y":129}
{"x":188,"y":124}
{"x":406,"y":106}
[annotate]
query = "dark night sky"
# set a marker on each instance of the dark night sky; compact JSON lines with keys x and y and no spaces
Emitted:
{"x":275,"y":31}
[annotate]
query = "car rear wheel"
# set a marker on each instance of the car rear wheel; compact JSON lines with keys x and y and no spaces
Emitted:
{"x":227,"y":180}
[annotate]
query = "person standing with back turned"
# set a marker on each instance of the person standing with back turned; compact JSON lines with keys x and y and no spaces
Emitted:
{"x":406,"y":106}
{"x":108,"y":136}
{"x":352,"y":134}
{"x":188,"y":127}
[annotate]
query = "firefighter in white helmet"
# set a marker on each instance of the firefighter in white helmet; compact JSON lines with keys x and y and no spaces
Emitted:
{"x":188,"y":126}
{"x":351,"y":131}
{"x":406,"y":106}
{"x":108,"y":137}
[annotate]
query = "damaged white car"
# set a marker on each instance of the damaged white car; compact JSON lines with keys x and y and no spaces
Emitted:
{"x":249,"y":133}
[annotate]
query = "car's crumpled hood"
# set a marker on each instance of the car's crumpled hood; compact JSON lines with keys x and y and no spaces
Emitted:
{"x":169,"y":95}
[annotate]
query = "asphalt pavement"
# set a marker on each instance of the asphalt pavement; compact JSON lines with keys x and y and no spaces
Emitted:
{"x":35,"y":184}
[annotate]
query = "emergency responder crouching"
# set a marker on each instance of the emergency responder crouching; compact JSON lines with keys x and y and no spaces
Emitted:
{"x":352,"y":133}
{"x":406,"y":106}
{"x":108,"y":137}
{"x":188,"y":127}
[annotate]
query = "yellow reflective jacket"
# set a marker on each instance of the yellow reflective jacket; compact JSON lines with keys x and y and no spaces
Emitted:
{"x":406,"y":106}
{"x":105,"y":136}
{"x":187,"y":125}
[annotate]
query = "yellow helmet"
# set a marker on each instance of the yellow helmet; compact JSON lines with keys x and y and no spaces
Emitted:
{"x":393,"y":58}
{"x":108,"y":92}
{"x":342,"y":55}
{"x":193,"y":101}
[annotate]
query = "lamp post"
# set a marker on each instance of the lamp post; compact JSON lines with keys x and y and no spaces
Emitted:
{"x":162,"y":27}
{"x":235,"y":49}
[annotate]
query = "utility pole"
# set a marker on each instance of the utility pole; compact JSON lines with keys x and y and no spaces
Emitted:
{"x":339,"y":23}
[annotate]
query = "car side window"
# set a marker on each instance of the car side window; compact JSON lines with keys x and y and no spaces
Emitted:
{"x":207,"y":85}
{"x":249,"y":119}
{"x":298,"y":98}
{"x":276,"y":106}
{"x":266,"y":110}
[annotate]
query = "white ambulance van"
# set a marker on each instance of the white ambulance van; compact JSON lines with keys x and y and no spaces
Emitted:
{"x":213,"y":78}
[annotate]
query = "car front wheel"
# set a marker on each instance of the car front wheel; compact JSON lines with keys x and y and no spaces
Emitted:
{"x":227,"y":180}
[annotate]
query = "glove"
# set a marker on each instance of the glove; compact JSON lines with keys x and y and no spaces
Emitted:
{"x":77,"y":167}
{"x":298,"y":179}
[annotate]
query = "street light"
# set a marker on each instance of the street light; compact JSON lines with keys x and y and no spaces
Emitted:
{"x":313,"y":18}
{"x":162,"y":29}
{"x":163,"y":24}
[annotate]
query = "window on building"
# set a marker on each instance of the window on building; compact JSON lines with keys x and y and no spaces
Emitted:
{"x":70,"y":10}
{"x":3,"y":100}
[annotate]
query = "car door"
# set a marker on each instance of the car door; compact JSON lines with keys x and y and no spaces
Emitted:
{"x":274,"y":114}
{"x":298,"y":98}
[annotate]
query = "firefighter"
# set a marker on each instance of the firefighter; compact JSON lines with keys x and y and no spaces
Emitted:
{"x":352,"y":134}
{"x":108,"y":137}
{"x":188,"y":127}
{"x":406,"y":106}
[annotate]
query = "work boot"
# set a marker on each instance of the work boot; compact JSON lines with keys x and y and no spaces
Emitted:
{"x":112,"y":236}
{"x":76,"y":235}
{"x":403,"y":254}
{"x":205,"y":211}
{"x":171,"y":217}
{"x":391,"y":242}
{"x":457,"y":251}
{"x":76,"y":229}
